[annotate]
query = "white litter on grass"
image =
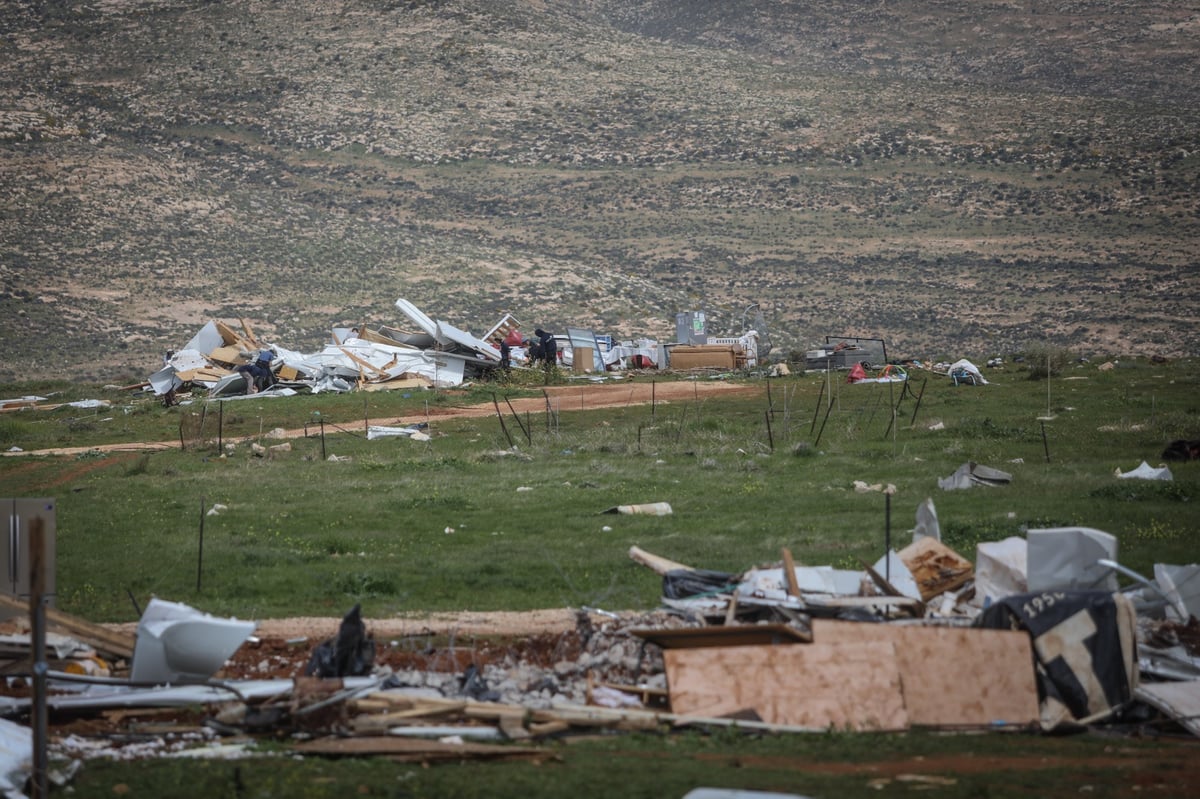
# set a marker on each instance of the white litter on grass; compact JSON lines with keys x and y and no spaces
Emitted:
{"x":216,"y":508}
{"x":1146,"y":472}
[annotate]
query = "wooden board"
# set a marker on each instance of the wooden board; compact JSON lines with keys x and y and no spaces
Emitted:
{"x":695,"y":357}
{"x":728,"y":635}
{"x":229,"y":355}
{"x":935,"y":567}
{"x":111,"y":642}
{"x":816,"y":686}
{"x":952,"y":675}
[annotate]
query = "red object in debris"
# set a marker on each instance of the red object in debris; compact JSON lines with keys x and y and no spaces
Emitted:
{"x":857,"y":372}
{"x":514,"y":338}
{"x":642,"y":362}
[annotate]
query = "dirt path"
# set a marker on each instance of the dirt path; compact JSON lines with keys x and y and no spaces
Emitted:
{"x":575,"y":397}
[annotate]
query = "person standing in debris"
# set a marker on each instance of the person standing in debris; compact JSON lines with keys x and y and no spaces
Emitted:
{"x":549,"y":349}
{"x":505,"y":353}
{"x":258,"y":372}
{"x":534,"y":348}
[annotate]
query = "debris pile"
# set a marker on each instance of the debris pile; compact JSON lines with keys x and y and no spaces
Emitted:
{"x":1041,"y":634}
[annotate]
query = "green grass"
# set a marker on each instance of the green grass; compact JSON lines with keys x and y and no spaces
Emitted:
{"x":304,"y":535}
{"x":646,"y":765}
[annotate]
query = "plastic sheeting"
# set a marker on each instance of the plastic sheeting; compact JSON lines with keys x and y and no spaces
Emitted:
{"x":1146,"y":472}
{"x":973,"y":474}
{"x":1068,"y":559}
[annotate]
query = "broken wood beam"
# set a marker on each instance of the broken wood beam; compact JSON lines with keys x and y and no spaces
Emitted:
{"x":789,"y":573}
{"x":655,"y":563}
{"x":102,"y":639}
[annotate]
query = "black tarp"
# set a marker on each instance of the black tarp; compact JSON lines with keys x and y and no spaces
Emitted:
{"x":1084,"y":648}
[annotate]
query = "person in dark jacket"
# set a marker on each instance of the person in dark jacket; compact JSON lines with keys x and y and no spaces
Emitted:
{"x":533,"y":348}
{"x":549,"y":351}
{"x":258,"y":373}
{"x":505,"y":352}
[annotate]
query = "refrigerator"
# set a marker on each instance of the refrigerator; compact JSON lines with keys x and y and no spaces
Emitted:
{"x":15,"y":555}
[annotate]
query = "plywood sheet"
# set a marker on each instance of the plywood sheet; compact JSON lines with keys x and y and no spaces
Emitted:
{"x":843,"y":686}
{"x":230,"y":355}
{"x":694,"y":357}
{"x":952,"y":675}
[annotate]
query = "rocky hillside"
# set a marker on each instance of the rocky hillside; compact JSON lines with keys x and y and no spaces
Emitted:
{"x":961,"y":179}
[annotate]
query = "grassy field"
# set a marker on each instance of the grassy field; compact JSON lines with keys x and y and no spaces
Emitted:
{"x":463,"y":521}
{"x":645,"y":766}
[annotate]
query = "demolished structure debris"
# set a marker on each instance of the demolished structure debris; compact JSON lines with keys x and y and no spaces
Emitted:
{"x":724,"y":650}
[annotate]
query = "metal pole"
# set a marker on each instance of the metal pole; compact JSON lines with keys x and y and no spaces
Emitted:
{"x":817,"y":410}
{"x":887,"y":536}
{"x":524,"y":429}
{"x":921,"y":394}
{"x":37,"y":621}
{"x":200,"y":549}
{"x":823,"y":421}
{"x":323,"y":438}
{"x":770,"y":435}
{"x":500,"y":416}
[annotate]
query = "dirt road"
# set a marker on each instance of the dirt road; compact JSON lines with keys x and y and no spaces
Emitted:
{"x":575,"y":397}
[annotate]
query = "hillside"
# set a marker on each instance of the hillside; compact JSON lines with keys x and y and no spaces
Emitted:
{"x":960,"y":179}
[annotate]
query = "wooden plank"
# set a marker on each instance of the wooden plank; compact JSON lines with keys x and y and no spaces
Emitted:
{"x":362,"y":363}
{"x":229,"y":335}
{"x":228,"y":354}
{"x":789,"y":573}
{"x":952,"y":675}
{"x":729,"y":635}
{"x":249,"y":333}
{"x":416,"y":749}
{"x":655,"y":563}
{"x":845,"y":687}
{"x":99,"y":638}
{"x":935,"y":567}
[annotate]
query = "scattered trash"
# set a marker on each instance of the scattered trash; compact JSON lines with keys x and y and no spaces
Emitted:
{"x":1146,"y":472}
{"x":1182,"y":450}
{"x":927,"y":521}
{"x":646,"y":509}
{"x":178,"y":644}
{"x":350,"y":653}
{"x":973,"y":474}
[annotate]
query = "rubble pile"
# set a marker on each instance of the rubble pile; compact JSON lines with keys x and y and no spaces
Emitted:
{"x":224,"y":361}
{"x":1039,"y":631}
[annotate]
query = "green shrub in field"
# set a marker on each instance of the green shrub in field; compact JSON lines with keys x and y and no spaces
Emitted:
{"x":1047,"y":360}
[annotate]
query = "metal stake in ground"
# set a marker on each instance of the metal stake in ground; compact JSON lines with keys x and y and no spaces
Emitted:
{"x":200,"y":548}
{"x":500,"y":416}
{"x":887,"y":535}
{"x":37,"y":621}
